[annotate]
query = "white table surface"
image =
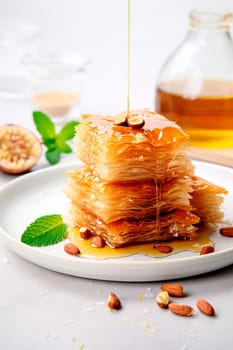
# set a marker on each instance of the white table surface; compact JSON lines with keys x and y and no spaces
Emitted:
{"x":45,"y":310}
{"x":42,"y":309}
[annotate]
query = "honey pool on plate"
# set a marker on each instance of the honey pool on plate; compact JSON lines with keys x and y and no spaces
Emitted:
{"x":148,"y":249}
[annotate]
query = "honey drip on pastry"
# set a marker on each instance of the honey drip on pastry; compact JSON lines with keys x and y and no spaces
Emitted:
{"x":148,"y":249}
{"x":158,"y":195}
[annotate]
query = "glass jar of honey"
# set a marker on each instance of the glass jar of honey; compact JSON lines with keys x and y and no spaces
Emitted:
{"x":195,"y":85}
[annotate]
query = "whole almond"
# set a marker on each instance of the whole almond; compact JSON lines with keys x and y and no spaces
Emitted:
{"x":227,"y":231}
{"x":113,"y":302}
{"x":207,"y":249}
{"x":173,"y":289}
{"x":205,"y":307}
{"x":98,"y":242}
{"x":164,"y":248}
{"x":71,"y":249}
{"x":120,"y":121}
{"x":84,"y":232}
{"x":162,"y":299}
{"x":181,"y":309}
{"x":135,"y":122}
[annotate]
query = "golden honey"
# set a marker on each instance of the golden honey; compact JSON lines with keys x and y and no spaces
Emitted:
{"x":148,"y":249}
{"x":207,"y":115}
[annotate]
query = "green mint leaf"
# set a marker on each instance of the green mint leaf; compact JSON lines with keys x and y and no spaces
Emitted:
{"x":63,"y":147}
{"x":53,"y":155}
{"x":45,"y":126}
{"x":44,"y":231}
{"x":50,"y":143}
{"x":67,"y":132}
{"x":55,"y":142}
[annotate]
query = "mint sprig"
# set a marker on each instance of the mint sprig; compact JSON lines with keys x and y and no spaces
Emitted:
{"x":56,"y":142}
{"x":44,"y":231}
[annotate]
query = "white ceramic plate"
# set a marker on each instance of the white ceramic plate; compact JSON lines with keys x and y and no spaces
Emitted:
{"x":41,"y":193}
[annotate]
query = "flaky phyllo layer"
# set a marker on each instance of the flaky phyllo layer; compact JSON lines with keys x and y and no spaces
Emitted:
{"x":120,"y":153}
{"x":138,"y":185}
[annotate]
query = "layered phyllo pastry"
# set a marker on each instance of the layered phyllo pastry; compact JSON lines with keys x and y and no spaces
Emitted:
{"x":117,"y":152}
{"x":207,"y":199}
{"x":137,"y":185}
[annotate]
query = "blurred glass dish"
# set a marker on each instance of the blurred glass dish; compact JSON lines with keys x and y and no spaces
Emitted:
{"x":17,"y":38}
{"x":55,"y":82}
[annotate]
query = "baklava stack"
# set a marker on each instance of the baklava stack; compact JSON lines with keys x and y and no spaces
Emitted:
{"x":137,"y":184}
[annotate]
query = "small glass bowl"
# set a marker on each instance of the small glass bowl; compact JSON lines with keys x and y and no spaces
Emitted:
{"x":55,"y":82}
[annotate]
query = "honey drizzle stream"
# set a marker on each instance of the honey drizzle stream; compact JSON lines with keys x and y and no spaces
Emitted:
{"x":157,"y":203}
{"x":129,"y":56}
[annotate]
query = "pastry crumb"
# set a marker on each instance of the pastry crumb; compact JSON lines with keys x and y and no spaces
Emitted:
{"x":81,"y":346}
{"x":144,"y":324}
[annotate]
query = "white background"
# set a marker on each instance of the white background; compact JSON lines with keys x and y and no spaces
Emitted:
{"x":98,"y":29}
{"x":44,"y":310}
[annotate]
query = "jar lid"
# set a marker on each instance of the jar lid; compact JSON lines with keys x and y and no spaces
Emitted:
{"x":210,"y":18}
